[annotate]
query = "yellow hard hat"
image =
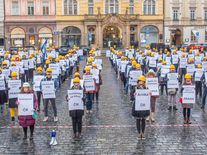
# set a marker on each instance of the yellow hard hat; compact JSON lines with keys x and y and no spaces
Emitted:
{"x":57,"y":59}
{"x":183,"y":55}
{"x":190,"y":51}
{"x":13,"y":64}
{"x":160,"y":59}
{"x":47,"y":62}
{"x":76,"y":74}
{"x":172,"y":67}
{"x":39,"y":69}
{"x":204,"y":58}
{"x":199,"y":66}
{"x":132,"y":58}
{"x":94,"y":65}
{"x":122,"y":57}
{"x":134,"y":63}
{"x":90,"y":59}
{"x":164,"y":62}
{"x":197,"y":53}
{"x":76,"y":80}
{"x":50,"y":57}
{"x":87,"y":68}
{"x":191,"y":59}
{"x":138,"y":66}
{"x":4,"y":63}
{"x":49,"y":70}
{"x":188,"y":76}
{"x":14,"y":74}
{"x":0,"y":69}
{"x":142,"y":78}
{"x":152,"y":54}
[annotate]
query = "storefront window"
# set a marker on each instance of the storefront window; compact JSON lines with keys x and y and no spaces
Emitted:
{"x":32,"y":40}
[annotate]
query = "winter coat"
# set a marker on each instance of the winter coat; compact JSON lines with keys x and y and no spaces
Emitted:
{"x":28,"y":120}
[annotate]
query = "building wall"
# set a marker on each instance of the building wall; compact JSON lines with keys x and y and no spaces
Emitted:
{"x":100,"y":20}
{"x":184,"y":24}
{"x":28,"y":22}
{"x":1,"y":22}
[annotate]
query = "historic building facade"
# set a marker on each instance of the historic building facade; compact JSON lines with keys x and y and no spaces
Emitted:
{"x":185,"y":22}
{"x":104,"y":23}
{"x":29,"y":23}
{"x":1,"y":23}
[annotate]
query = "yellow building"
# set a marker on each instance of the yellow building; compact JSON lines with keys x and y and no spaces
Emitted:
{"x":104,"y":23}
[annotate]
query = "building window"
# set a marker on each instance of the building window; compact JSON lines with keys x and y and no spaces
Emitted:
{"x":131,"y":7}
{"x":206,"y":36}
{"x":193,"y":37}
{"x":149,"y":7}
{"x":30,"y":7}
{"x":175,"y":15}
{"x":205,"y":14}
{"x":70,"y":7}
{"x":111,"y":6}
{"x":90,"y":7}
{"x":15,"y":7}
{"x":45,"y":7}
{"x":192,"y":14}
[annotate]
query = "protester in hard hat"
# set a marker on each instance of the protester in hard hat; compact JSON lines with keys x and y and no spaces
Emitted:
{"x":89,"y":94}
{"x":28,"y":120}
{"x":140,"y":115}
{"x":198,"y":78}
{"x":3,"y":88}
{"x":32,"y":64}
{"x":172,"y":91}
{"x":162,"y":78}
{"x":12,"y":100}
{"x":76,"y":115}
{"x":186,"y":106}
{"x":152,"y":74}
{"x":182,"y":66}
{"x":98,"y":82}
{"x":51,"y":100}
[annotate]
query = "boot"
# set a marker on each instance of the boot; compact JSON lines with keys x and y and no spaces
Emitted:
{"x":185,"y":121}
{"x":148,"y":118}
{"x":143,"y":137}
{"x":188,"y":121}
{"x":153,"y":116}
{"x":25,"y":136}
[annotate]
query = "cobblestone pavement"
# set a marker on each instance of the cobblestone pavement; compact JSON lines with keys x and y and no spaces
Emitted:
{"x":110,"y":129}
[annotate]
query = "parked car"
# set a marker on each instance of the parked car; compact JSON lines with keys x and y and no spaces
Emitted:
{"x":63,"y":50}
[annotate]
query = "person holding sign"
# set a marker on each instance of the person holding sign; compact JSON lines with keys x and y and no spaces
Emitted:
{"x":3,"y":95}
{"x":97,"y":76}
{"x":198,"y":76}
{"x":48,"y":92}
{"x":89,"y":88}
{"x":152,"y":84}
{"x":37,"y":80}
{"x":76,"y":107}
{"x":162,"y":78}
{"x":141,"y":106}
{"x":188,"y":98}
{"x":172,"y":87}
{"x":27,"y":105}
{"x":14,"y":90}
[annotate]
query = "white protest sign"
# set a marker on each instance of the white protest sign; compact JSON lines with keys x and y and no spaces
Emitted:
{"x":188,"y":94}
{"x":123,"y":66}
{"x":168,"y":60}
{"x":31,"y":64}
{"x":153,"y":86}
{"x":13,"y":93}
{"x":204,"y":65}
{"x":48,"y":89}
{"x":164,"y":70}
{"x":6,"y":73}
{"x":89,"y":82}
{"x":142,"y":100}
{"x":37,"y":81}
{"x":197,"y":60}
{"x":26,"y":104}
{"x":108,"y":53}
{"x":80,"y":52}
{"x":14,"y":84}
{"x":152,"y":62}
{"x":191,"y":69}
{"x":2,"y":83}
{"x":183,"y":62}
{"x":198,"y":74}
{"x":95,"y":73}
{"x":133,"y":77}
{"x":55,"y":69}
{"x":75,"y":101}
{"x":172,"y":80}
{"x":175,"y":59}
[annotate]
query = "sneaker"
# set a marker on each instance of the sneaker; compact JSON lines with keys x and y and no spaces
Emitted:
{"x":143,"y":137}
{"x":79,"y":135}
{"x":185,"y":121}
{"x":25,"y":137}
{"x":56,"y":119}
{"x":139,"y":136}
{"x":188,"y":121}
{"x":45,"y":119}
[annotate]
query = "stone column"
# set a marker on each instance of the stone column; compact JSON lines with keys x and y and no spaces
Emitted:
{"x":99,"y":36}
{"x":127,"y":35}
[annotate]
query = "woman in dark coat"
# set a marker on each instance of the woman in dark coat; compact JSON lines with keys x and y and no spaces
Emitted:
{"x":29,"y":120}
{"x":3,"y":95}
{"x":76,"y":115}
{"x":140,"y":115}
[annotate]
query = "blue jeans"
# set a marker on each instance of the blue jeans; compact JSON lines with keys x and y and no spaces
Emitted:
{"x":89,"y":101}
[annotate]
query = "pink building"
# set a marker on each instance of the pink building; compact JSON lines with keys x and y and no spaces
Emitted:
{"x":29,"y":23}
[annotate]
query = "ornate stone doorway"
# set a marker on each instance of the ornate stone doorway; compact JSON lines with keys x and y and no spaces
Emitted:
{"x":112,"y":37}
